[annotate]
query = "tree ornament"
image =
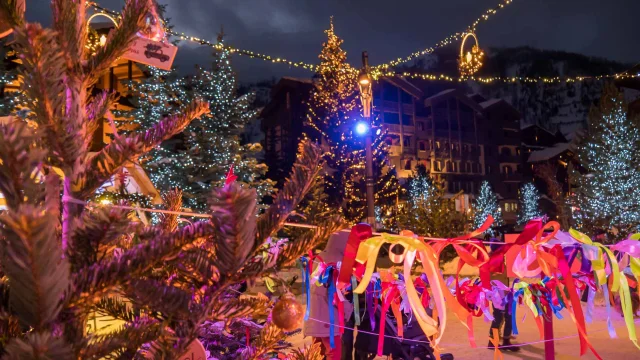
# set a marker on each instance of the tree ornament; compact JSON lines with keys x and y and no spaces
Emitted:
{"x":287,"y":314}
{"x":470,"y":62}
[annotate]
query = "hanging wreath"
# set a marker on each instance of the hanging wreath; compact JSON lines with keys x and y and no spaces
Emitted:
{"x":470,"y":62}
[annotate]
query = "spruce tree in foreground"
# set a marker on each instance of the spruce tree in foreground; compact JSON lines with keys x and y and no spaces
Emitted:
{"x":57,"y":258}
{"x":528,"y":203}
{"x":607,"y":194}
{"x":484,"y":205}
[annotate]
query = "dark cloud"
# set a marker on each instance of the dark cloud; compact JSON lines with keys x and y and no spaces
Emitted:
{"x":391,"y":29}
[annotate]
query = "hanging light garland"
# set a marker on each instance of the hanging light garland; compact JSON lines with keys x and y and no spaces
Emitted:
{"x":217,"y":46}
{"x":378,"y":71}
{"x":446,"y":41}
{"x":503,"y":79}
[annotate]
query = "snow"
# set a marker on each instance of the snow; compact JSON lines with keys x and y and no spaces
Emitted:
{"x":548,"y":153}
{"x":489,"y":103}
{"x":448,"y":91}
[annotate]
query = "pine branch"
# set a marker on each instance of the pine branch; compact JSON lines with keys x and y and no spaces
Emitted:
{"x":291,"y":252}
{"x":312,"y":352}
{"x":119,"y":39}
{"x":130,"y":337}
{"x":152,"y":294}
{"x":239,"y":307}
{"x":93,"y":231}
{"x":71,"y":30}
{"x":197,"y":265}
{"x":173,"y":202}
{"x":107,"y":274}
{"x":234,"y":219}
{"x":96,"y":112}
{"x":268,"y":340}
{"x":116,"y":308}
{"x":117,"y":153}
{"x":10,"y":14}
{"x":37,"y":272}
{"x":38,"y":346}
{"x":42,"y":72}
{"x":303,"y":175}
{"x":18,"y":157}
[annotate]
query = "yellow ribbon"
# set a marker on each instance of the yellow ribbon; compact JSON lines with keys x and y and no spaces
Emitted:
{"x":368,"y":253}
{"x":625,"y":304}
{"x":599,"y":265}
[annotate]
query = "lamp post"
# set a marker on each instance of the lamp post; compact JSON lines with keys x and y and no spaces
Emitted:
{"x":364,"y":82}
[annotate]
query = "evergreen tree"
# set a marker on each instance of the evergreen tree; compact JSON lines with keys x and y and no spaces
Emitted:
{"x":484,"y":205}
{"x":421,"y":187}
{"x":213,"y":143}
{"x":608,"y":195}
{"x":152,"y":99}
{"x":528,"y":199}
{"x":199,"y":159}
{"x":333,"y":113}
{"x":427,"y":211}
{"x":58,"y":264}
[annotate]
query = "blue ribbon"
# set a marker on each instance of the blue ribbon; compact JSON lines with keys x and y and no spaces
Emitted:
{"x":304,"y":262}
{"x":326,"y":279}
{"x":356,"y":301}
{"x":612,"y":331}
{"x":370,"y":309}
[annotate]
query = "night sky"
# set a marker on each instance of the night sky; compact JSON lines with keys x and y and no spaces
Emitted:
{"x":389,"y":29}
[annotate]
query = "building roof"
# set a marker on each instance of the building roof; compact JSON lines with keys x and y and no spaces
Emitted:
{"x":445,"y":94}
{"x":549,"y":153}
{"x":489,"y":103}
{"x":477,"y":97}
{"x":405,"y":85}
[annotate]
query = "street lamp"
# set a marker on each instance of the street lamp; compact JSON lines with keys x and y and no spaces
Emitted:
{"x":364,"y":82}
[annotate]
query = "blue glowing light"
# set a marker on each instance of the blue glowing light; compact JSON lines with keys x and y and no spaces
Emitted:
{"x":362,"y":128}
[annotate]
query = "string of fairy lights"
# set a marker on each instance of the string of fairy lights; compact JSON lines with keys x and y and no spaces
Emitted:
{"x":380,"y":70}
{"x":448,"y":40}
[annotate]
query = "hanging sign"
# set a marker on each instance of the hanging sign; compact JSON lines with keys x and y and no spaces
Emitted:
{"x":154,"y":53}
{"x":195,"y":351}
{"x":5,"y":29}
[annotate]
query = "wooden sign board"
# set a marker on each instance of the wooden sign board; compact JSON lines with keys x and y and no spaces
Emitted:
{"x":154,"y":53}
{"x":195,"y":351}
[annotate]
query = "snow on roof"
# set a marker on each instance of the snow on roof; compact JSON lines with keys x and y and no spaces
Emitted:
{"x":302,"y":80}
{"x":524,"y":127}
{"x":444,"y":92}
{"x":548,"y":153}
{"x":488,"y":103}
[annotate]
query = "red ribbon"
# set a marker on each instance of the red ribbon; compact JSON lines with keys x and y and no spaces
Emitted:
{"x":359,"y":233}
{"x":496,"y":259}
{"x":578,"y":316}
{"x":231,"y":177}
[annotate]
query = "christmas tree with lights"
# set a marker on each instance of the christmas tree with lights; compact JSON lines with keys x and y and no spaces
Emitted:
{"x":484,"y":205}
{"x":200,"y":158}
{"x":152,"y":99}
{"x":428,"y":211}
{"x":213,"y":143}
{"x":607,"y":192}
{"x":528,"y":199}
{"x":333,"y":113}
